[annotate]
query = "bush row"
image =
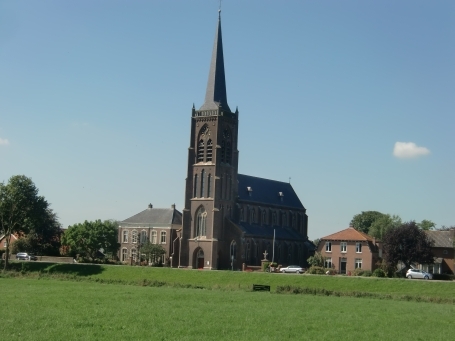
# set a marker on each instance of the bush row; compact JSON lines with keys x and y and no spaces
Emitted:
{"x":288,"y":289}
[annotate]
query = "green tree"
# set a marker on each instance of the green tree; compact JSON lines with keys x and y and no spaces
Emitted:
{"x":317,"y":260}
{"x":154,"y":253}
{"x":383,"y":224}
{"x":22,"y":210}
{"x":92,"y":237}
{"x":407,"y":244}
{"x":363,"y":221}
{"x":426,"y":225}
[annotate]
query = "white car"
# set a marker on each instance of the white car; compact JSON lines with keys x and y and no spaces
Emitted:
{"x":293,"y":268}
{"x":416,"y":273}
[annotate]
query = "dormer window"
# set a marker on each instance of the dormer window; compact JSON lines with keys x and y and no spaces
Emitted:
{"x":281,"y":195}
{"x":250,"y":191}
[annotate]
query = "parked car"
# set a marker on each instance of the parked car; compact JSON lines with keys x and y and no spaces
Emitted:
{"x":416,"y":273}
{"x":25,"y":256}
{"x":293,"y":268}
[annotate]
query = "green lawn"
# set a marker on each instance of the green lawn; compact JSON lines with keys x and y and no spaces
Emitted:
{"x":48,"y":309}
{"x":227,"y":280}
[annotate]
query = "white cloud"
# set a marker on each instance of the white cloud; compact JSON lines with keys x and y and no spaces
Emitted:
{"x":407,"y":150}
{"x":4,"y":142}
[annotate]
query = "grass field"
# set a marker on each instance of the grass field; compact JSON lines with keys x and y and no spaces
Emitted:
{"x":47,"y":309}
{"x":227,"y":280}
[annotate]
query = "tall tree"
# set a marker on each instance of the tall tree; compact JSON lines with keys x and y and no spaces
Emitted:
{"x":363,"y":221}
{"x":383,"y":224}
{"x":92,"y":237}
{"x":426,"y":225}
{"x":21,"y":209}
{"x":407,"y":244}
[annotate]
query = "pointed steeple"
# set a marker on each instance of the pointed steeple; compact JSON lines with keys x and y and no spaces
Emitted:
{"x":215,"y":95}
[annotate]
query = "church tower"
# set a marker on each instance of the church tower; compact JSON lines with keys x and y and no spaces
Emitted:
{"x":211,"y":183}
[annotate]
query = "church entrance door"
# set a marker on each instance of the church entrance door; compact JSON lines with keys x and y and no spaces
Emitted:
{"x":200,"y":259}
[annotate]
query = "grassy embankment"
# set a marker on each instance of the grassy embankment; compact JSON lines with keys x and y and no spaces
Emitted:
{"x":45,"y":309}
{"x":233,"y":281}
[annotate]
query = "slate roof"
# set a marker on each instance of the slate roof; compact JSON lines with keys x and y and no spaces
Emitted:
{"x":216,"y":85}
{"x":350,"y":234}
{"x":267,"y":232}
{"x":441,"y":238}
{"x":267,"y":191}
{"x":158,"y":216}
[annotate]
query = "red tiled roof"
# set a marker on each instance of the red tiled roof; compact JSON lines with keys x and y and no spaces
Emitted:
{"x":348,"y":234}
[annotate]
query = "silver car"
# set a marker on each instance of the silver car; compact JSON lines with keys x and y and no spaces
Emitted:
{"x":416,"y":273}
{"x":293,"y":268}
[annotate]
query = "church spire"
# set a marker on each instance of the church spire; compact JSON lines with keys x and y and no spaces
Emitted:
{"x":216,"y":86}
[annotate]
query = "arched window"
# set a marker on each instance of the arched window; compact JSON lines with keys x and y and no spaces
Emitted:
{"x":241,"y":214}
{"x":284,"y":219}
{"x":134,"y":237}
{"x":202,"y":183}
{"x":125,"y":237}
{"x":233,"y":250}
{"x":143,"y":236}
{"x":293,"y":220}
{"x":274,"y":218}
{"x":154,"y":237}
{"x":209,"y":150}
{"x":200,"y":151}
{"x":263,"y":219}
{"x":209,"y":186}
{"x":252,"y":216}
{"x":133,"y":254}
{"x":201,"y":222}
{"x":124,"y":255}
{"x":163,"y":237}
{"x":195,"y":186}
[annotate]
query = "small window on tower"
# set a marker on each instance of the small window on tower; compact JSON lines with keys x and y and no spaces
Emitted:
{"x":200,"y":151}
{"x":209,"y":150}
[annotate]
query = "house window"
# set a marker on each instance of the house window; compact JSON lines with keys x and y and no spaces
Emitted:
{"x":328,"y":263}
{"x":358,"y":263}
{"x":241,"y":214}
{"x":154,"y":237}
{"x":293,"y":220}
{"x":328,"y":246}
{"x":343,"y":246}
{"x":358,"y":247}
{"x":274,"y":219}
{"x":163,"y":237}
{"x":444,"y":252}
{"x":134,"y":237}
{"x":201,"y":222}
{"x":125,"y":237}
{"x":124,"y":255}
{"x":263,"y":221}
{"x":133,"y":254}
{"x":143,"y":236}
{"x":285,"y":220}
{"x":4,"y":244}
{"x":253,"y":216}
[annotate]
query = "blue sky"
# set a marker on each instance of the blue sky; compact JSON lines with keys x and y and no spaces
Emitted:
{"x":352,"y":100}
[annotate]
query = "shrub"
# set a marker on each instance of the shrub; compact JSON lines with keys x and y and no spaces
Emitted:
{"x":331,"y":271}
{"x":367,"y":273}
{"x":316,"y":270}
{"x":379,"y":273}
{"x":358,"y":272}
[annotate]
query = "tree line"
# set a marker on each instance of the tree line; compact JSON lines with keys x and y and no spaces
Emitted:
{"x":28,"y":216}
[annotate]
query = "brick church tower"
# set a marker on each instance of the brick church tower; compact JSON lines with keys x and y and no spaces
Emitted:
{"x":211,"y":183}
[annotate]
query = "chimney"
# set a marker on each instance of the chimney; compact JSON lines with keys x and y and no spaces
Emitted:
{"x":150,"y":206}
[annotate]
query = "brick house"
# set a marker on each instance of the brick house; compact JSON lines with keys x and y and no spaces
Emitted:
{"x":443,"y":251}
{"x":350,"y":249}
{"x":159,"y":226}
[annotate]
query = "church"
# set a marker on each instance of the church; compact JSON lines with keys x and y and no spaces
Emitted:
{"x":229,"y":219}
